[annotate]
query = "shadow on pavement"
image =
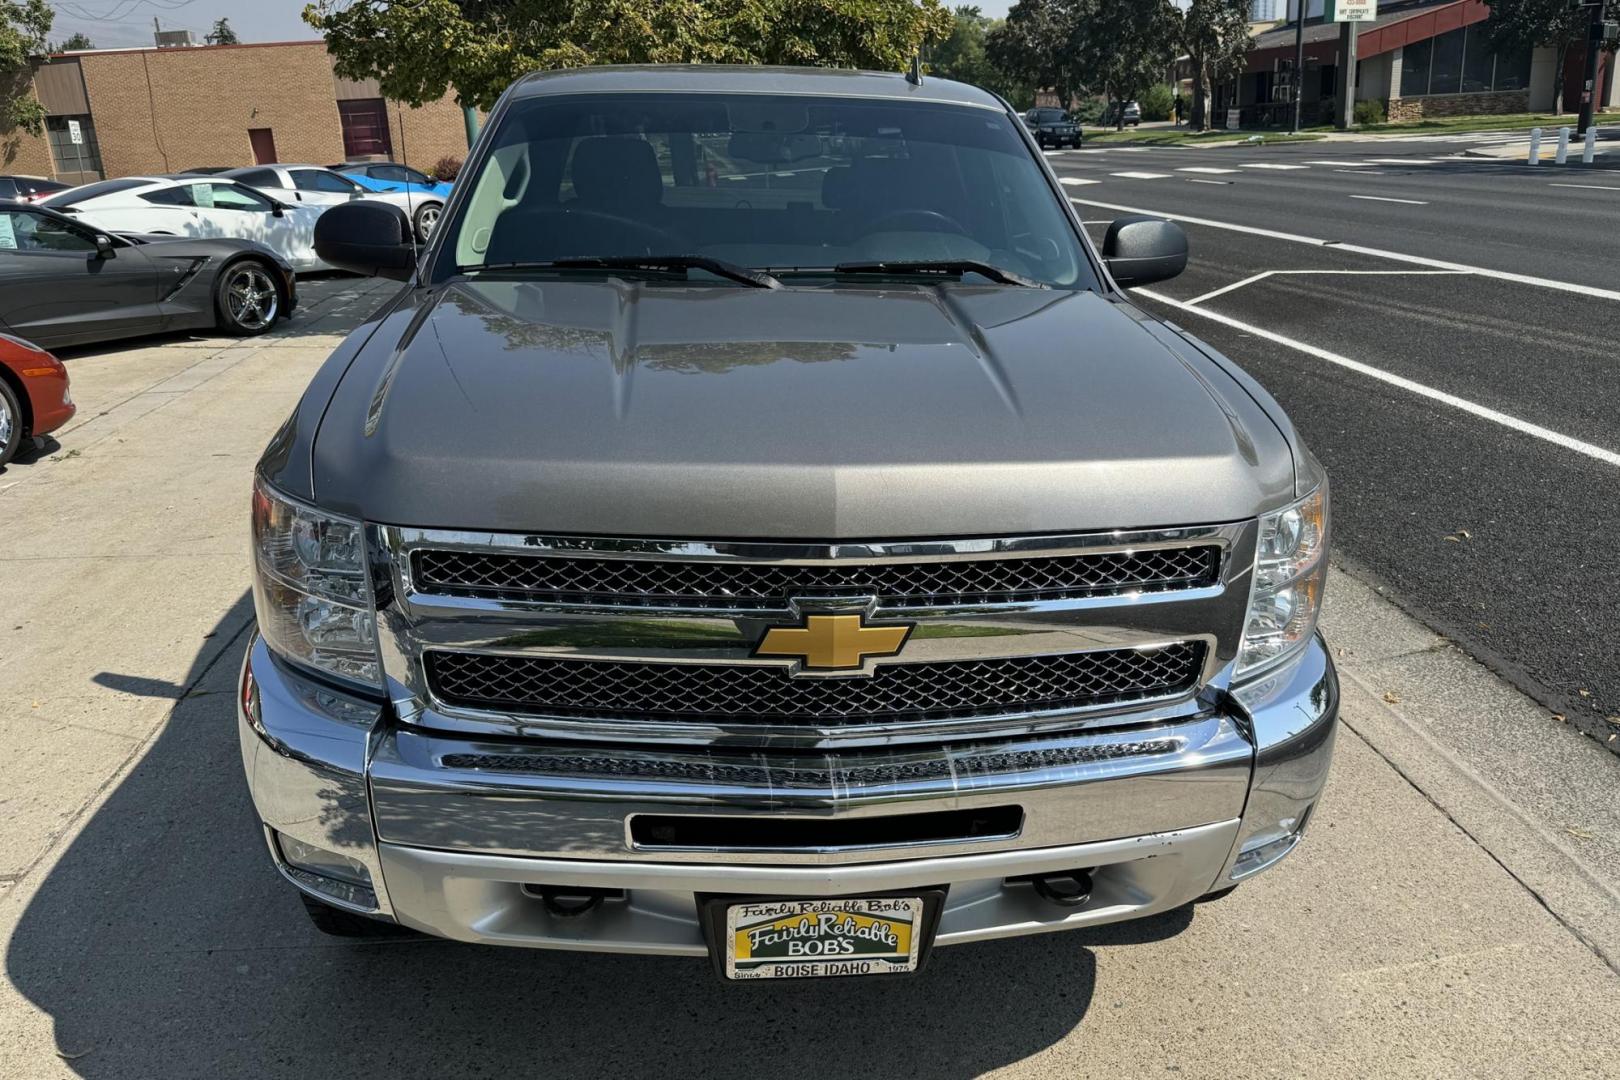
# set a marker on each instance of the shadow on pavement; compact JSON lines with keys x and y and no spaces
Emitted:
{"x":162,"y":944}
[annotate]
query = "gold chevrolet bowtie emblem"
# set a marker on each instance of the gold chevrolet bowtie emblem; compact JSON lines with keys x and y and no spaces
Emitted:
{"x":833,"y":642}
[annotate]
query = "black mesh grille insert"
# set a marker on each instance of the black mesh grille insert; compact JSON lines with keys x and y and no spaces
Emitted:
{"x":641,"y":583}
{"x":893,"y":693}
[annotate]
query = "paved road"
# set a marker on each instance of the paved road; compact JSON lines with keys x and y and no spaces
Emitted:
{"x":1443,"y":330}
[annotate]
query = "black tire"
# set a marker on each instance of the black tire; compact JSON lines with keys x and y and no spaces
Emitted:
{"x":12,"y":423}
{"x":346,"y":924}
{"x":426,"y":220}
{"x":247,"y":300}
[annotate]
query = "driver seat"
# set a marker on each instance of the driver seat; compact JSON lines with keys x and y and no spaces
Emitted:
{"x":611,"y":174}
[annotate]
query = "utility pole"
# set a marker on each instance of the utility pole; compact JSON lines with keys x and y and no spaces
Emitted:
{"x":1298,"y":80}
{"x":469,"y":120}
{"x":1347,"y":75}
{"x":1594,"y":51}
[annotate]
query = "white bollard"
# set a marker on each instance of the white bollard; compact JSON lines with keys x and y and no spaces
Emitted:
{"x":1535,"y":146}
{"x":1563,"y":146}
{"x":1590,"y":149}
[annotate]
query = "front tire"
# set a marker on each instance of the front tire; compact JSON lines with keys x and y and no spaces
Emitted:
{"x":427,"y":219}
{"x":11,"y":423}
{"x":246,"y":300}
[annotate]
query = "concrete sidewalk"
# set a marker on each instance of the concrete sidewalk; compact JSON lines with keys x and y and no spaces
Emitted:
{"x":1453,"y":912}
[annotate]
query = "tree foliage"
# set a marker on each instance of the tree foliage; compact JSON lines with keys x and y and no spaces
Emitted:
{"x":24,"y":25}
{"x":962,"y":56}
{"x":1077,"y":47}
{"x":221,"y":34}
{"x":419,"y":49}
{"x":73,"y":42}
{"x":1215,"y":35}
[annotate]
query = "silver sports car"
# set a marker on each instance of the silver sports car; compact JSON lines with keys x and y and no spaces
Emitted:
{"x":63,"y":282}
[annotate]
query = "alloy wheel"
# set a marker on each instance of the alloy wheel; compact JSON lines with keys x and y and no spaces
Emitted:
{"x":250,"y":297}
{"x":426,"y":220}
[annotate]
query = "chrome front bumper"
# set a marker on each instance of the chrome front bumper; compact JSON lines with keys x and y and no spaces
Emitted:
{"x":452,"y":835}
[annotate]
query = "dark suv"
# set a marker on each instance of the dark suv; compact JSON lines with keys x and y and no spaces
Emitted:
{"x":1052,"y":127}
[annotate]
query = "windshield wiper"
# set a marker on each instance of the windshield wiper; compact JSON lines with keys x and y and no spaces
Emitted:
{"x":652,"y":263}
{"x":952,"y":267}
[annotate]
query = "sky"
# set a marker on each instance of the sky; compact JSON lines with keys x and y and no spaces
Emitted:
{"x":114,"y":23}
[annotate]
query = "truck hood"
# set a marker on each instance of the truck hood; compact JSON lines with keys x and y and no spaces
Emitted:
{"x":836,"y":412}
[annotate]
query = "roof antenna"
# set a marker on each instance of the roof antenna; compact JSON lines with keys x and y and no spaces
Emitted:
{"x":914,"y":76}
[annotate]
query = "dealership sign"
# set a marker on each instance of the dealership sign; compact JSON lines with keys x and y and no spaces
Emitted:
{"x":1352,"y":10}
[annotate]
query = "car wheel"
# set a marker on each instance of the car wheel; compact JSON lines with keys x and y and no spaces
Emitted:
{"x":11,"y":422}
{"x":427,"y":219}
{"x":246,"y":298}
{"x":346,"y":924}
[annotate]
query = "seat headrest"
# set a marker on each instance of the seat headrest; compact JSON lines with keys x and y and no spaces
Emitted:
{"x":838,"y":187}
{"x":616,"y":170}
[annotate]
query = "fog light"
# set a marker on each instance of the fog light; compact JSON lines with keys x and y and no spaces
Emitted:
{"x":1266,"y":848}
{"x":327,"y":872}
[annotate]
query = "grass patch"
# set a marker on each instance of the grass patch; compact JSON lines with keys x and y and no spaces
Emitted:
{"x":1171,"y":137}
{"x":1501,"y":122}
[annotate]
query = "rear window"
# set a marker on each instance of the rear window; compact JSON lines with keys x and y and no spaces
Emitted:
{"x":74,"y":196}
{"x":766,"y":181}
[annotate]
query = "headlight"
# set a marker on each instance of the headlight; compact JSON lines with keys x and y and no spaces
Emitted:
{"x":311,"y":588}
{"x":1290,"y":571}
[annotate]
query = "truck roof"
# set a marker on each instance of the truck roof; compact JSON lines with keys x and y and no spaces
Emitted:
{"x":752,"y":79}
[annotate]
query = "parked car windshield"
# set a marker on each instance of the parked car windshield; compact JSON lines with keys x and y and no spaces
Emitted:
{"x":74,"y":196}
{"x":782,"y":183}
{"x":1050,"y":116}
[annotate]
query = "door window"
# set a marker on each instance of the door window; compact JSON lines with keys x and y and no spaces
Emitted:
{"x":321,"y":180}
{"x":230,"y":197}
{"x":24,"y":231}
{"x":173,"y":196}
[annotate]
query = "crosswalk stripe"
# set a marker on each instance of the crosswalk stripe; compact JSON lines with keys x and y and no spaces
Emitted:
{"x":1142,"y":175}
{"x":1401,"y":161}
{"x":1204,"y":169}
{"x":1076,"y":181}
{"x":1269,"y":165}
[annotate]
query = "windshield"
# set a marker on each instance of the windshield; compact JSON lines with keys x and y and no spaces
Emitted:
{"x":786,"y":184}
{"x":74,"y":196}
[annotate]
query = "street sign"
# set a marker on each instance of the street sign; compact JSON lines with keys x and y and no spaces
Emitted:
{"x":74,"y":133}
{"x":1352,"y":10}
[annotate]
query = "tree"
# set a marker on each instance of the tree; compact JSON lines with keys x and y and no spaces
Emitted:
{"x":1215,"y":35}
{"x":1517,"y":26}
{"x":1125,"y":46}
{"x":419,"y":49}
{"x":23,"y":26}
{"x":962,"y":56}
{"x":72,"y":43}
{"x":221,"y":34}
{"x":1032,"y":47}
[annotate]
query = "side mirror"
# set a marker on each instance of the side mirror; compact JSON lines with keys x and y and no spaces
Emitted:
{"x":1140,"y":250}
{"x":364,"y":237}
{"x":104,"y":246}
{"x":276,"y":209}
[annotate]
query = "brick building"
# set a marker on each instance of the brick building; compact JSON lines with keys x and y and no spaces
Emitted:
{"x":122,"y":112}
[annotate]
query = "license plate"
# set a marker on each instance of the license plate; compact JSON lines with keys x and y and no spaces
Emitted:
{"x":800,"y":939}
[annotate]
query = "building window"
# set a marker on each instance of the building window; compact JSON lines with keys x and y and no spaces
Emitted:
{"x":1415,"y":68}
{"x":1513,"y":70}
{"x":365,"y":128}
{"x":1461,"y":61}
{"x":79,"y":162}
{"x":1478,"y":62}
{"x":1446,"y":71}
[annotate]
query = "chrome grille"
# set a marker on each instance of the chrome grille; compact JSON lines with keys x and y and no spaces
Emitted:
{"x":768,"y":694}
{"x":731,"y":585}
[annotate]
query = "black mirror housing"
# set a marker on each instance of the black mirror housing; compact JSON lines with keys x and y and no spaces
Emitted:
{"x":364,"y":237}
{"x":1140,"y":250}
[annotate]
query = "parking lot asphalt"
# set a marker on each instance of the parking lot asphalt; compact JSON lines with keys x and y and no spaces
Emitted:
{"x":1442,"y":330}
{"x":1455,"y":910}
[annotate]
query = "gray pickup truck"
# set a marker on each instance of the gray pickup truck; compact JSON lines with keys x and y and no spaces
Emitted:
{"x":762,"y":528}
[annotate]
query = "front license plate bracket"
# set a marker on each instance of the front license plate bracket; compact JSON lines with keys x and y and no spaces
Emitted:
{"x":715,"y":914}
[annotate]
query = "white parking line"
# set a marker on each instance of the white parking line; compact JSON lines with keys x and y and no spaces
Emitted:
{"x":1196,"y":180}
{"x":1269,"y":165}
{"x":1204,"y":169}
{"x":1377,"y":253}
{"x":1351,"y":164}
{"x":1252,"y":278}
{"x":1402,"y":161}
{"x":1142,"y":175}
{"x":1076,"y":181}
{"x":1588,"y":187}
{"x":1385,"y":198}
{"x":1359,"y":174}
{"x":1557,"y":438}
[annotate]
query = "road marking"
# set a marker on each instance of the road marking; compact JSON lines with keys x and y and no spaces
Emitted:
{"x":1557,"y":438}
{"x":1195,"y":180}
{"x":1142,"y":175}
{"x":1269,"y":165}
{"x":1351,"y":164}
{"x":1204,"y":169}
{"x":1252,"y":278}
{"x":1377,"y":253}
{"x":1385,"y":198}
{"x":1588,"y":187}
{"x":1130,"y":149}
{"x":1076,"y":181}
{"x":1352,"y":171}
{"x":1402,"y":161}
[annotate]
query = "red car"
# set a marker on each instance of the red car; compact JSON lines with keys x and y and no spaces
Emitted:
{"x":34,"y":398}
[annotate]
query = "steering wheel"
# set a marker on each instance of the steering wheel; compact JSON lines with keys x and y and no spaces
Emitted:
{"x":658,"y":241}
{"x":927,"y":220}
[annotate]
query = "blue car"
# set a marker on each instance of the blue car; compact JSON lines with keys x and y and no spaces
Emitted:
{"x":389,"y":176}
